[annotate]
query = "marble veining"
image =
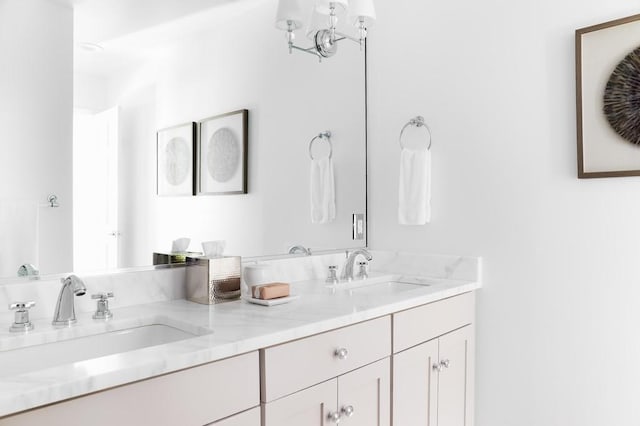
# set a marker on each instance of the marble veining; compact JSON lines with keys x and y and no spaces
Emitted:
{"x":238,"y":327}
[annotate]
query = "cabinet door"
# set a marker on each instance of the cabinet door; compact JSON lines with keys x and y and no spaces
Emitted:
{"x":415,"y":386}
{"x":455,"y":382}
{"x":248,"y":418}
{"x":364,"y":395}
{"x":309,"y":407}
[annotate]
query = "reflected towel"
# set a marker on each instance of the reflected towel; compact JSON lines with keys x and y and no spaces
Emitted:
{"x":18,"y":236}
{"x":323,"y":199}
{"x":414,"y":203}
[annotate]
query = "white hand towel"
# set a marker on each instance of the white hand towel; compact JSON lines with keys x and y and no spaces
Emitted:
{"x":414,"y":203}
{"x":323,"y":203}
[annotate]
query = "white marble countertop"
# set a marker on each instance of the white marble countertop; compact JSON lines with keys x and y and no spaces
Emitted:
{"x":238,"y":327}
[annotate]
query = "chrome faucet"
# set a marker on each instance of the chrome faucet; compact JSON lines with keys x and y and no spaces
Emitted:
{"x":347,"y":271}
{"x":65,"y":313}
{"x":299,"y":249}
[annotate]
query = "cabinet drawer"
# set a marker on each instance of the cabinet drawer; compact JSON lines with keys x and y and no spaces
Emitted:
{"x":296,"y":365}
{"x":195,"y":396}
{"x":417,"y":325}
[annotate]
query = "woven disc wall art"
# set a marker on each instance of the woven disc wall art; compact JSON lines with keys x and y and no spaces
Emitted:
{"x":622,"y":98}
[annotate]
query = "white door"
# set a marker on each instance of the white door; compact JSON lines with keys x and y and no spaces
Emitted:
{"x":455,"y":381}
{"x":415,"y":386}
{"x":309,"y":407}
{"x":95,"y":190}
{"x":364,"y":395}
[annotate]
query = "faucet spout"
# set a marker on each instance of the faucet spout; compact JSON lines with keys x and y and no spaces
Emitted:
{"x":65,"y":313}
{"x":347,"y":272}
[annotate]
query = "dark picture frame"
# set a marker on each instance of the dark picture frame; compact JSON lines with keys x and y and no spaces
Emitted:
{"x":603,"y":149}
{"x":175,"y":160}
{"x":222,"y":154}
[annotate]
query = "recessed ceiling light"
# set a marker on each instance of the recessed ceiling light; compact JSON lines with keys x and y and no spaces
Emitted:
{"x":90,"y":47}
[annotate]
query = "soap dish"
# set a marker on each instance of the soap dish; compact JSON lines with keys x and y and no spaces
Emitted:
{"x":272,"y":302}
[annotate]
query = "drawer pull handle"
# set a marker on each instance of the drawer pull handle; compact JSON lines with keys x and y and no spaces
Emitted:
{"x":341,"y":353}
{"x":334,"y":417}
{"x":347,"y":411}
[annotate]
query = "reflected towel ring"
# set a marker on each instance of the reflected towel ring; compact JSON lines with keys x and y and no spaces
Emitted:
{"x":417,"y":122}
{"x":324,"y":135}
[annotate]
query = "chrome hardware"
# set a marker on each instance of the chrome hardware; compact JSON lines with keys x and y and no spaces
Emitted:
{"x":341,"y":353}
{"x":102,"y":310}
{"x":444,"y":363}
{"x":299,"y":249}
{"x":347,"y":272}
{"x":65,"y":313}
{"x":347,"y":411}
{"x":28,"y":270}
{"x":416,"y":122}
{"x":333,"y":277}
{"x":362,"y":272}
{"x":53,"y":201}
{"x":436,"y":367}
{"x":21,"y":323}
{"x":326,"y":135}
{"x":334,"y":417}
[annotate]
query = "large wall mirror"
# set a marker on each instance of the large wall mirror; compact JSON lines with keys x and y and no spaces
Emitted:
{"x":111,"y":76}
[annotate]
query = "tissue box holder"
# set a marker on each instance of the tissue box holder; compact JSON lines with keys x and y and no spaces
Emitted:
{"x":213,"y":280}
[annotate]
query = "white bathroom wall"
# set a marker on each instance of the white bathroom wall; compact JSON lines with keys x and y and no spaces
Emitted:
{"x":558,"y":315}
{"x":242,"y":62}
{"x":36,"y":45}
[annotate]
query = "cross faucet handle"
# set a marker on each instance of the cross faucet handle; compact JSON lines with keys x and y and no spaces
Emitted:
{"x":102,"y":296}
{"x":21,"y":306}
{"x":102,"y":309}
{"x":21,"y":323}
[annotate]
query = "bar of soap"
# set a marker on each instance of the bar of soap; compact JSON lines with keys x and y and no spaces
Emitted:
{"x":270,"y":291}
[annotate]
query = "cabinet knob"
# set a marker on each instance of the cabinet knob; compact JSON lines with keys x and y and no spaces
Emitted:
{"x":341,"y":353}
{"x":334,"y":417}
{"x":444,"y":363}
{"x":347,"y":411}
{"x":437,"y":367}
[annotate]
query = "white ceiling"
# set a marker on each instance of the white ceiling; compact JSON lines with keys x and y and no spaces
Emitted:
{"x":97,"y":21}
{"x":131,"y":30}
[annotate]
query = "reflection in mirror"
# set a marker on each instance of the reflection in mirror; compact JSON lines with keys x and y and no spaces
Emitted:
{"x":140,"y":66}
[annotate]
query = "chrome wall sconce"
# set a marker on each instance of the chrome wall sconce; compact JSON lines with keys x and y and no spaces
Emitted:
{"x":322,"y":27}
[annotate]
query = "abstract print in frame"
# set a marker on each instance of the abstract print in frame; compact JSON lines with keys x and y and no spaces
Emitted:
{"x":175,"y":154}
{"x":608,"y":98}
{"x":222,"y":154}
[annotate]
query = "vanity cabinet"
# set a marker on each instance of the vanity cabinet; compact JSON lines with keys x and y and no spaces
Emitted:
{"x":248,"y":418}
{"x":339,"y":376}
{"x":433,"y":369}
{"x":196,"y":396}
{"x":359,"y":398}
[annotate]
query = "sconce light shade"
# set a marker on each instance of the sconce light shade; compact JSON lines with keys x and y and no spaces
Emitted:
{"x":317,"y":22}
{"x":324,"y":6}
{"x":362,"y":9}
{"x":289,"y":11}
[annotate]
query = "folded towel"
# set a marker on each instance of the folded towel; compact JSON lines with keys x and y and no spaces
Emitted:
{"x":323,"y":203}
{"x":414,"y":204}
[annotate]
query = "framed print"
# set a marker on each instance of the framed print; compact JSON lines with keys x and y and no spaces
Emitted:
{"x":607,"y":98}
{"x":175,"y":160}
{"x":222,"y":154}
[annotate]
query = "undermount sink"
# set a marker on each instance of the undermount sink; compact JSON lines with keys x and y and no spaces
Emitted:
{"x":391,"y":287}
{"x":380,"y":286}
{"x":41,"y":356}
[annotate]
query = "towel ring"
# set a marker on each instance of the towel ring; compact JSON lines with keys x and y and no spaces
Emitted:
{"x":417,"y":122}
{"x":324,"y":135}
